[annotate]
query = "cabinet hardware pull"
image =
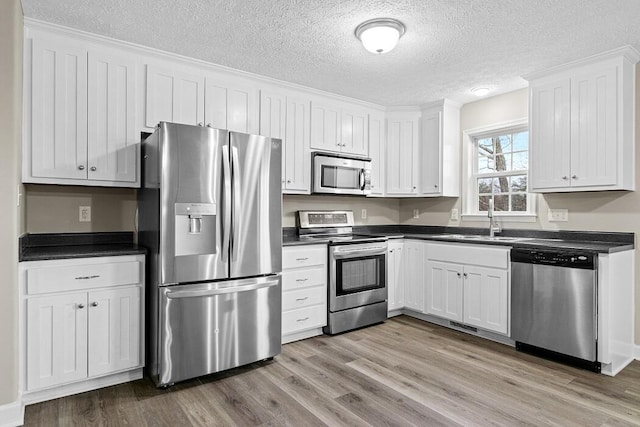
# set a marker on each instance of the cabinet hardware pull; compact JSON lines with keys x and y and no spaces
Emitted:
{"x":302,"y":280}
{"x":94,"y":304}
{"x":288,"y":181}
{"x":302,"y":299}
{"x":302,"y":320}
{"x":435,"y":185}
{"x":565,"y":177}
{"x":301,"y":259}
{"x":93,"y":168}
{"x":574,"y":177}
{"x":81,"y":167}
{"x":465,"y":274}
{"x":87,"y":277}
{"x":200,"y":124}
{"x":80,"y":306}
{"x":459,"y":274}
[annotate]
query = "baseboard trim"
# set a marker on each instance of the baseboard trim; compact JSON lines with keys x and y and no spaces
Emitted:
{"x":12,"y":414}
{"x":636,"y":352}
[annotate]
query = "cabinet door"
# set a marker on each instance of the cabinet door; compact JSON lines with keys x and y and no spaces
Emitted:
{"x":413,"y":258}
{"x":377,"y":138}
{"x":56,"y":339}
{"x":355,"y":132}
{"x":59,"y":110}
{"x":114,"y":330}
{"x":486,"y":303}
{"x":444,"y":287}
{"x":112,"y":146}
{"x":594,"y":131}
{"x":273,"y":110}
{"x":550,"y":135}
{"x":325,"y":127}
{"x":402,"y":156}
{"x":430,"y":155}
{"x":297,"y":164}
{"x":395,"y":277}
{"x":174,"y":96}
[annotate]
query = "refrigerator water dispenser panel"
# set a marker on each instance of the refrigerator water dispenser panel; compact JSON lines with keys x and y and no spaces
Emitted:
{"x":195,"y":229}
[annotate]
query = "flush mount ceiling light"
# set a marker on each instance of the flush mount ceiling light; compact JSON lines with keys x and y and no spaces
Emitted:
{"x":380,"y":35}
{"x":480,"y":91}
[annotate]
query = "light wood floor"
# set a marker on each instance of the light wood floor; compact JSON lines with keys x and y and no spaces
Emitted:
{"x":403,"y":372}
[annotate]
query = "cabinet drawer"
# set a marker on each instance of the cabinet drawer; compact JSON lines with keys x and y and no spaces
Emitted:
{"x":303,"y":278}
{"x":304,"y":297}
{"x":303,"y":256}
{"x":482,"y":255}
{"x":304,"y":318}
{"x":87,"y":276}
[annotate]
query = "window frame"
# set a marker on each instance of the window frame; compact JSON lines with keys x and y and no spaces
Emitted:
{"x":470,"y":173}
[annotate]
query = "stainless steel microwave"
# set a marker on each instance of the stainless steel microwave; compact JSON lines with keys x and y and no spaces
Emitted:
{"x":334,"y":174}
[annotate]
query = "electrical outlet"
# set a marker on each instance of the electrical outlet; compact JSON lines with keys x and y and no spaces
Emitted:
{"x":416,"y":213}
{"x":84,"y":213}
{"x":363,"y":214}
{"x":454,"y":215}
{"x":558,"y":215}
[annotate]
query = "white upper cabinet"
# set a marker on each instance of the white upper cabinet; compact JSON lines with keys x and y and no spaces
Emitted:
{"x":582,"y":124}
{"x":113,"y":143}
{"x":174,"y":94}
{"x":440,"y":150}
{"x":339,"y":128}
{"x":80,"y":114}
{"x":232,"y":105}
{"x":377,"y":146}
{"x":287,"y":117}
{"x":402,"y":153}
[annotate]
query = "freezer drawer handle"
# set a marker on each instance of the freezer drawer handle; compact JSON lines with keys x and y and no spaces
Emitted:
{"x":172,"y":294}
{"x":87,"y":277}
{"x":304,"y":319}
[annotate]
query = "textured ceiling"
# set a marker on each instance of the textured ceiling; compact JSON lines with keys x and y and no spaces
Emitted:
{"x":450,"y":46}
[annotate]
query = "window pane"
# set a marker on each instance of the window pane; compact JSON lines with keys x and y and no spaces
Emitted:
{"x":520,"y":160}
{"x":521,"y":141}
{"x":485,"y":164}
{"x":518,"y":183}
{"x":485,"y":147}
{"x":484,"y":185}
{"x":501,"y":185}
{"x":503,"y":162}
{"x":503,"y":144}
{"x":519,"y":203}
{"x":501,"y":203}
{"x":483,"y":203}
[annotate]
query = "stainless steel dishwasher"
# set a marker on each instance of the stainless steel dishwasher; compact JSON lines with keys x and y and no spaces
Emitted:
{"x":554,"y":304}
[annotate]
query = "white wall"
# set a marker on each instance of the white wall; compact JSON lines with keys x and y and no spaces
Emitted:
{"x":379,"y":211}
{"x":10,"y":214}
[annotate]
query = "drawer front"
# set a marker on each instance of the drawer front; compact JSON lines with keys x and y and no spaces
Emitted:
{"x":87,"y":276}
{"x":303,"y":319}
{"x":481,"y":255}
{"x":303,"y":278}
{"x":304,"y":297}
{"x":304,"y":256}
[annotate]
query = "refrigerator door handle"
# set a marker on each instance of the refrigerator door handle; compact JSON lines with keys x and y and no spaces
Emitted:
{"x":235,"y":167}
{"x":171,"y":294}
{"x":226,"y":168}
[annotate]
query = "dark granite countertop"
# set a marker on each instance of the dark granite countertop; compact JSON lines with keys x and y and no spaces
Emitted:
{"x":597,"y":242}
{"x":48,"y":246}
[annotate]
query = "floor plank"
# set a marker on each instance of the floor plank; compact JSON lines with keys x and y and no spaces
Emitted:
{"x":402,"y":372}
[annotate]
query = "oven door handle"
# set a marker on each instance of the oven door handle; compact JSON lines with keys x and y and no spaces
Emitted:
{"x":338,"y":254}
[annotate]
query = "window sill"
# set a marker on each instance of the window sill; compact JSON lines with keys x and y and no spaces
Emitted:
{"x":501,"y":218}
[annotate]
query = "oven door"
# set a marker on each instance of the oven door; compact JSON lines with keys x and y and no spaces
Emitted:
{"x":357,"y":275}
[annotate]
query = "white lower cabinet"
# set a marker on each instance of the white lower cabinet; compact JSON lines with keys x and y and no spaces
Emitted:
{"x":80,"y":328}
{"x":413,"y":262}
{"x":304,"y":291}
{"x":468,"y":284}
{"x":395,"y":277}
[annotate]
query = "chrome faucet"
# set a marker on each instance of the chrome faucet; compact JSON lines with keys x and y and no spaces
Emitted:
{"x":494,"y":227}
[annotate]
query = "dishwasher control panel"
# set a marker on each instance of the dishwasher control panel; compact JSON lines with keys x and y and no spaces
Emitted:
{"x":560,"y":258}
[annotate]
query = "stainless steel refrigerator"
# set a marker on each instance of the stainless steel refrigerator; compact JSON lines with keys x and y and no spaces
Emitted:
{"x":210,"y":214}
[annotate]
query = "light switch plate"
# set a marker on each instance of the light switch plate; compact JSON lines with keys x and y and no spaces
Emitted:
{"x":84,"y":213}
{"x":363,"y":214}
{"x":454,"y":215}
{"x":416,"y":213}
{"x":558,"y":215}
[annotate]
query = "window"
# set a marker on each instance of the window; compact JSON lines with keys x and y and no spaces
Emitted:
{"x":498,"y":169}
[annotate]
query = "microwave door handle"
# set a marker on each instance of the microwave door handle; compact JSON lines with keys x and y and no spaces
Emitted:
{"x":226,"y":169}
{"x":362,"y":181}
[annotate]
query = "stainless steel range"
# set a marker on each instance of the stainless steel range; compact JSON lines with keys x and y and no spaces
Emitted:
{"x":357,"y":270}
